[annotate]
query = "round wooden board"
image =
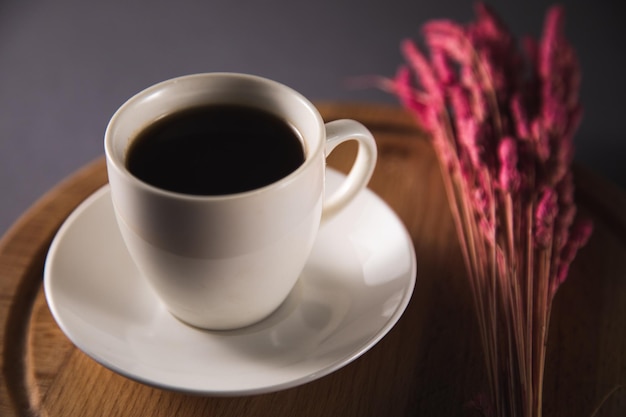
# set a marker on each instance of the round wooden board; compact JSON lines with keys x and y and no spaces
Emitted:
{"x":430,"y":364}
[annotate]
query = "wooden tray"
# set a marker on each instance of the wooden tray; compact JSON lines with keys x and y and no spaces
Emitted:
{"x":428,"y":365}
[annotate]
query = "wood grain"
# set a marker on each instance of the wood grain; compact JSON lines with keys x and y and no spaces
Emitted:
{"x":428,"y":365}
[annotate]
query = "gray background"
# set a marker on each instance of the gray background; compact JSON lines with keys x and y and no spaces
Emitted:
{"x":66,"y":65}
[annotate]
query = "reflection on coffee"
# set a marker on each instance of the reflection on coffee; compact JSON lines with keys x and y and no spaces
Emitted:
{"x":215,"y":150}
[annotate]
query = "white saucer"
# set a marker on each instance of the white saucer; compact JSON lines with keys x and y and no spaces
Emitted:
{"x":355,"y":287}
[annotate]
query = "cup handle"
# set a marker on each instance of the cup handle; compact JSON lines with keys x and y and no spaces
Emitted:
{"x":340,"y":131}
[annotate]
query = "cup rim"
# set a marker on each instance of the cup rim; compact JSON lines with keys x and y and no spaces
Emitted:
{"x":120,"y":167}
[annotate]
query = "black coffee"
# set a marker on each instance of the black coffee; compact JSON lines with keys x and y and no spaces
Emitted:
{"x":215,"y":150}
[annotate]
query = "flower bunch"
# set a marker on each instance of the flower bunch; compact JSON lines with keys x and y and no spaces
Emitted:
{"x":502,"y":117}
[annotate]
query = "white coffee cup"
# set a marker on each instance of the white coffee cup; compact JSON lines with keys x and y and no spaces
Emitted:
{"x":227,"y":261}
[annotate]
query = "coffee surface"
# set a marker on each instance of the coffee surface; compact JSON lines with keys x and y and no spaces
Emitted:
{"x":215,"y":150}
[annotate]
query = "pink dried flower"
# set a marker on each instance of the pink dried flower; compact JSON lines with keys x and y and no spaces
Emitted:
{"x":490,"y":23}
{"x":478,"y":102}
{"x":563,"y":223}
{"x":481,"y":200}
{"x":496,"y":49}
{"x":427,"y":115}
{"x":567,"y":211}
{"x":408,"y":96}
{"x":520,"y":117}
{"x":551,"y":47}
{"x":448,"y":38}
{"x":547,"y":210}
{"x":581,"y":231}
{"x":460,"y":105}
{"x":559,"y":75}
{"x":540,"y":140}
{"x":468,"y":129}
{"x":503,"y":128}
{"x":448,"y":29}
{"x":442,"y":67}
{"x":422,"y":68}
{"x":509,"y":177}
{"x":467,"y":134}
